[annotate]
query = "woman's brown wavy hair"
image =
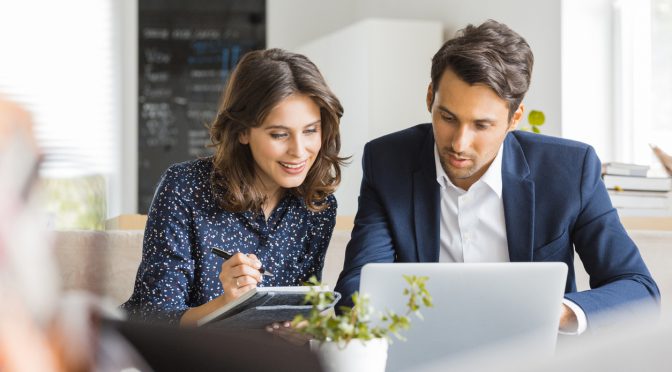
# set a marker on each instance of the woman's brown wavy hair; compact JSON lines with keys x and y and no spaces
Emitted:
{"x":259,"y":82}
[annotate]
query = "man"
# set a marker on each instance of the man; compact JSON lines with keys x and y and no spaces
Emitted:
{"x":468,"y":188}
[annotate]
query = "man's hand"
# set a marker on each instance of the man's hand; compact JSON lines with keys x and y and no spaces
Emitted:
{"x":288,"y":333}
{"x":568,"y":321}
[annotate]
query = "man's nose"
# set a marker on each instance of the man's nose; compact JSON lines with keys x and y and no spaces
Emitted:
{"x":462,"y":139}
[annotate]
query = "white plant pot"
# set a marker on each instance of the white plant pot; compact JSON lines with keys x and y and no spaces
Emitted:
{"x":357,"y":355}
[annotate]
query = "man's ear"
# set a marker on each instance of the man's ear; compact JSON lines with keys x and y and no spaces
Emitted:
{"x":244,"y":137}
{"x":430,"y":97}
{"x":517,"y":116}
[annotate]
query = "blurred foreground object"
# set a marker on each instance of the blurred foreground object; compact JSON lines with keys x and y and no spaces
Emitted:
{"x":664,"y":158}
{"x":29,"y":280}
{"x":26,"y":262}
{"x":27,"y":297}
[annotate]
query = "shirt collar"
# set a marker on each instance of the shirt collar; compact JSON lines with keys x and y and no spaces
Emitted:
{"x":492,"y":177}
{"x":441,"y":176}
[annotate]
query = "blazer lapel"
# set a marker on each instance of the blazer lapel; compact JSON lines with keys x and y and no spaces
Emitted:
{"x":518,"y":197}
{"x":426,"y":204}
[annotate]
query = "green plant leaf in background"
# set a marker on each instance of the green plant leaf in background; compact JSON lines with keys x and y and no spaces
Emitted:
{"x":76,"y":203}
{"x":536,"y":118}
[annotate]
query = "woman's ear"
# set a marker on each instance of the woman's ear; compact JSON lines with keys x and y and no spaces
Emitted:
{"x":244,"y":137}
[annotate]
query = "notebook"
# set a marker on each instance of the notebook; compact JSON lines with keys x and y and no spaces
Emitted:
{"x":262,"y":306}
{"x":475,"y":305}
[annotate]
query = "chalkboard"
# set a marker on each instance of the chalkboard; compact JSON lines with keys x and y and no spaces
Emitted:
{"x":187,"y":49}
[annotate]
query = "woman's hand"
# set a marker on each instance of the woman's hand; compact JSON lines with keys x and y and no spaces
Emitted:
{"x":240,"y":273}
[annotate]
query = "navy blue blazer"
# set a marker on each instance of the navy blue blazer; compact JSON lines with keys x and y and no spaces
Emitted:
{"x":554,"y":199}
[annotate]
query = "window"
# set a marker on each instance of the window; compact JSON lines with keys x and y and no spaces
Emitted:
{"x":661,"y":72}
{"x":59,"y":61}
{"x":643,"y":79}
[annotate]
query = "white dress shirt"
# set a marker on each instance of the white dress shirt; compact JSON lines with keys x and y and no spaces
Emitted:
{"x":473,"y":227}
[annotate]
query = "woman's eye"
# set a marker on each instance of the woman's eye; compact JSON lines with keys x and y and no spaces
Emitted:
{"x":312,"y":130}
{"x":278,"y":135}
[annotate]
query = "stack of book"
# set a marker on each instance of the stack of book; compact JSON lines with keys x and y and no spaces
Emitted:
{"x":632,"y":193}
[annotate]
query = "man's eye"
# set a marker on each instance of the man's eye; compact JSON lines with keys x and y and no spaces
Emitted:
{"x":447,"y":118}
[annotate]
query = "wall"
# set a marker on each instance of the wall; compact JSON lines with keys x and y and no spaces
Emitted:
{"x":537,"y":21}
{"x":381,"y":85}
{"x":587,"y":74}
{"x":291,"y":23}
{"x":129,"y":144}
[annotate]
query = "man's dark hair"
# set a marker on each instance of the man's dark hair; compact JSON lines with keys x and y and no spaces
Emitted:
{"x":491,"y":54}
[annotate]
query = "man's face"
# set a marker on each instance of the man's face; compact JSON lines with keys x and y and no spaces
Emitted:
{"x":470,"y":123}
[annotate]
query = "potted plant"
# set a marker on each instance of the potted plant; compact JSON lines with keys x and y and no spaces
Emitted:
{"x":353,"y":340}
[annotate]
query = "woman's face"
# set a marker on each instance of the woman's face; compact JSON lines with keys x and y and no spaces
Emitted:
{"x":286,"y":144}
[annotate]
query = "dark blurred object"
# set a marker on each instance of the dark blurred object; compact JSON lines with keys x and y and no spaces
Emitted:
{"x":664,"y":158}
{"x":167,"y":348}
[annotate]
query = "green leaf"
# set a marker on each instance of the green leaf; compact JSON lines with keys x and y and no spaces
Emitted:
{"x":536,"y":130}
{"x":355,"y":322}
{"x":427,"y":300}
{"x":536,"y":117}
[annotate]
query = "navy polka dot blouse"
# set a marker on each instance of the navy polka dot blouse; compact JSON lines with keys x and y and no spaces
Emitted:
{"x":178,"y":271}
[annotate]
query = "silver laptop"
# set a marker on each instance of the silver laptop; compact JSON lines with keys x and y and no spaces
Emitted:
{"x":476,"y":306}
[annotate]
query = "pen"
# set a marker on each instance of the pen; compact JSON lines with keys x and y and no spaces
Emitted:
{"x":226,"y":255}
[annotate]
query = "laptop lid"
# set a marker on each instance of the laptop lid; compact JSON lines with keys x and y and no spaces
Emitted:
{"x":476,"y":305}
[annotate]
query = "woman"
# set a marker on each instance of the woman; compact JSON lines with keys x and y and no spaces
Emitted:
{"x":266,"y":193}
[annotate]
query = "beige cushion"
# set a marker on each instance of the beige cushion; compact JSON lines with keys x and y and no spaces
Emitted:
{"x":102,"y":262}
{"x":333,"y":263}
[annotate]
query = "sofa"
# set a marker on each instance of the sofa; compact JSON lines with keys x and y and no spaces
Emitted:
{"x":106,"y":262}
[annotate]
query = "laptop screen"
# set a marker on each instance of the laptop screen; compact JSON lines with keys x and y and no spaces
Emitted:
{"x":476,"y":305}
